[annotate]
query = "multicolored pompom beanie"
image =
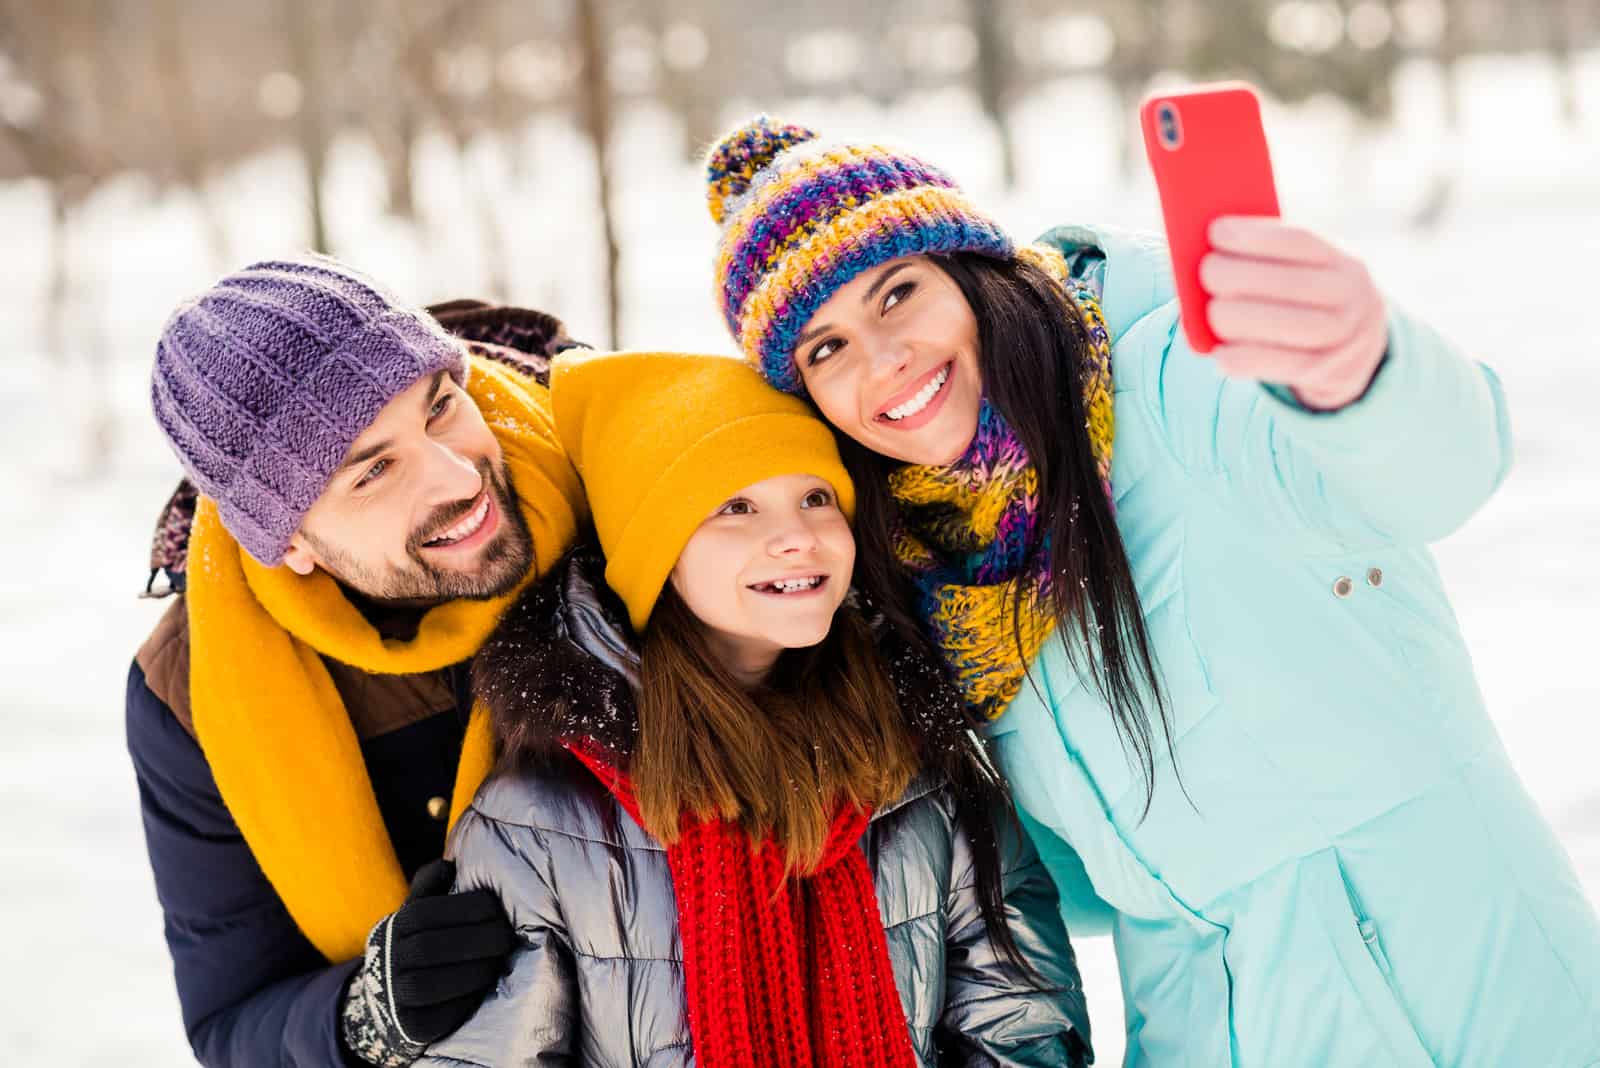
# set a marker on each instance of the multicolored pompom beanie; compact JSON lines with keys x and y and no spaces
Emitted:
{"x":801,"y":217}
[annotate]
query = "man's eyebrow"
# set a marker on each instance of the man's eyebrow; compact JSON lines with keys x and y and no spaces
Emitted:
{"x":433,"y":391}
{"x":361,"y":457}
{"x":357,"y":458}
{"x":867,"y":298}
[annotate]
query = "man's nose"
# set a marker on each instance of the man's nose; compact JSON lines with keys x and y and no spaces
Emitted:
{"x":454,"y":474}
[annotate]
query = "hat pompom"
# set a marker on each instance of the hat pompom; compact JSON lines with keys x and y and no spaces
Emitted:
{"x":737,"y":158}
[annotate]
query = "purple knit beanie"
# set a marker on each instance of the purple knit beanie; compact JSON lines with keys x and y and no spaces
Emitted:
{"x":264,"y":381}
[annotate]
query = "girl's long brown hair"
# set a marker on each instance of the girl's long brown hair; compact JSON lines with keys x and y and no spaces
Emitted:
{"x":826,"y":729}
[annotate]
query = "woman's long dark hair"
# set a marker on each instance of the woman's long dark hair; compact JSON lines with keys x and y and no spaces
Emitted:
{"x":1032,"y":347}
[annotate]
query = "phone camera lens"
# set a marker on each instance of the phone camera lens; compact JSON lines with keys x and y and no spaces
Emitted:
{"x":1167,"y":126}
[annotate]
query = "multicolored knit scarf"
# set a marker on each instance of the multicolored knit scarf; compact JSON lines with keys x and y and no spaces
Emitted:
{"x":778,"y":970}
{"x":964,"y":530}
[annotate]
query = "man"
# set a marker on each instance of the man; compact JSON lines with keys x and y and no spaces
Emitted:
{"x":370,"y":499}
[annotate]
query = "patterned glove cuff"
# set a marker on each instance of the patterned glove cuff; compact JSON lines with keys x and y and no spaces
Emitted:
{"x":369,"y":1023}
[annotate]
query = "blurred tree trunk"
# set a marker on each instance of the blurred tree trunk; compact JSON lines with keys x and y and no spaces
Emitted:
{"x":398,"y":146}
{"x":312,"y":124}
{"x":1564,"y":24}
{"x":1142,"y":44}
{"x":684,"y":85}
{"x":594,"y":95}
{"x":993,"y":72}
{"x":480,"y":192}
{"x":59,"y":289}
{"x":185,"y":126}
{"x":1453,"y":44}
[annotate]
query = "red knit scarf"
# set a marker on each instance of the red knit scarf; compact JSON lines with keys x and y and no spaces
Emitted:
{"x":780,"y":971}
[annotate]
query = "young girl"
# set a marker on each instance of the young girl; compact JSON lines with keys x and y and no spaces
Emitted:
{"x":1193,"y":596}
{"x":759,"y":833}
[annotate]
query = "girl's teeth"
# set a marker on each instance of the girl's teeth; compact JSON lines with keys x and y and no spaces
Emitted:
{"x":791,"y":585}
{"x":920,"y":401}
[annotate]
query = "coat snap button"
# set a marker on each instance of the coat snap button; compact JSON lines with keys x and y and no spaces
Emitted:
{"x":438,"y":807}
{"x":1342,"y":586}
{"x":1374,"y":577}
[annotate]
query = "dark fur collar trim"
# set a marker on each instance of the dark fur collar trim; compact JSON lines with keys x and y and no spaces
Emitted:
{"x":562,"y":664}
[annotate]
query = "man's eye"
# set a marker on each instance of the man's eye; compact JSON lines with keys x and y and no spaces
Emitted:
{"x":822,"y":352}
{"x":898,"y":294}
{"x":818,"y":498}
{"x":374,"y":472}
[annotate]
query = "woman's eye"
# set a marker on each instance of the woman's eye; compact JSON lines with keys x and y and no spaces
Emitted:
{"x":822,"y":352}
{"x":735,"y":508}
{"x":440,"y":406}
{"x":374,"y":472}
{"x":818,"y":498}
{"x":897,"y":294}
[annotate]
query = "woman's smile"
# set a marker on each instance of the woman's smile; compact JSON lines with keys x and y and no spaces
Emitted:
{"x":917,"y":404}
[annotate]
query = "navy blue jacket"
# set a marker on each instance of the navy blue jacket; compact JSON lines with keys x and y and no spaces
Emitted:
{"x":253,"y":990}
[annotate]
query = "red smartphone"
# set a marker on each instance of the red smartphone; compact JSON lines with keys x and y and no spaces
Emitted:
{"x":1209,"y":155}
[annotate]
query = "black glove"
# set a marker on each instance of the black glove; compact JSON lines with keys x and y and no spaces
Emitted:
{"x":426,"y":969}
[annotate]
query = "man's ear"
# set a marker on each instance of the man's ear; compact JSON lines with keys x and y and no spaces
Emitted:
{"x":299,"y":557}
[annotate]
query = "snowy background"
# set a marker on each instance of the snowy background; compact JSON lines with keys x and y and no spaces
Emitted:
{"x":1509,"y":267}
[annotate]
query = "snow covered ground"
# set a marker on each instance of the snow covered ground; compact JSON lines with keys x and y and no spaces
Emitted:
{"x":1508,"y":272}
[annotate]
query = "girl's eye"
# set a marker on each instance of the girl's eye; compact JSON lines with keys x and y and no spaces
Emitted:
{"x":736,"y":507}
{"x":373,"y":473}
{"x":898,"y":294}
{"x":818,"y":498}
{"x":440,"y":406}
{"x":822,"y":352}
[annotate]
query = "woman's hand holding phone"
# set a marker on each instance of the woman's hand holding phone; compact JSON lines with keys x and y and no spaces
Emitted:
{"x":1288,"y":307}
{"x":1266,"y":300}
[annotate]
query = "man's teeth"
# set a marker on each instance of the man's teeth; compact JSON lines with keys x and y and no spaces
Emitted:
{"x":793,"y":585}
{"x":466,"y":528}
{"x":920,"y":401}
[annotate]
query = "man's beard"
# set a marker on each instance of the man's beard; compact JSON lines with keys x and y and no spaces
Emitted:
{"x":501,"y":565}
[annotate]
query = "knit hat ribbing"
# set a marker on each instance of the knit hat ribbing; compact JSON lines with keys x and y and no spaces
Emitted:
{"x":262,"y":383}
{"x":662,"y":438}
{"x":800,"y":218}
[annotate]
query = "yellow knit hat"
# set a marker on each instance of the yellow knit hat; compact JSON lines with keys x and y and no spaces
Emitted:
{"x":661,"y":438}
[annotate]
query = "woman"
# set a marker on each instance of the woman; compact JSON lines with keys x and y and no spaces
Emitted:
{"x":730,"y":843}
{"x":1193,"y":597}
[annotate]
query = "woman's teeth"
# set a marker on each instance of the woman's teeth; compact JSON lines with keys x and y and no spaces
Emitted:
{"x":464,"y":529}
{"x":920,"y":401}
{"x":790,"y":585}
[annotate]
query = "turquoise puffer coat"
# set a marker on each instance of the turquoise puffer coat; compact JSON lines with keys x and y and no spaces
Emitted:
{"x":1356,"y":875}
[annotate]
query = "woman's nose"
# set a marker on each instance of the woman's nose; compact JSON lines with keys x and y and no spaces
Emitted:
{"x":890,"y":357}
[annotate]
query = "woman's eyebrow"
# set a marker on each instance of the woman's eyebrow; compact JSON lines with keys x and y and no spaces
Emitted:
{"x":866,"y":298}
{"x":883,"y":280}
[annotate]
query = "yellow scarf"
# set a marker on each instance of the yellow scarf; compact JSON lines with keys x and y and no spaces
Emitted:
{"x":275,"y":731}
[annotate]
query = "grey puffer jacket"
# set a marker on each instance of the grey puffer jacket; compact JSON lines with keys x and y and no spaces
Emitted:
{"x":598,"y":976}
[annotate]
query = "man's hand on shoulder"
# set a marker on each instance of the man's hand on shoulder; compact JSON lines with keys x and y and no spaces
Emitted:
{"x":426,"y":969}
